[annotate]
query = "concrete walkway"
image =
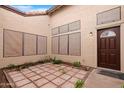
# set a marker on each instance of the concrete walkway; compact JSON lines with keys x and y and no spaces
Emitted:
{"x":96,"y":80}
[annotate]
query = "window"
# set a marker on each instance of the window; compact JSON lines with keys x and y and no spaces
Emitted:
{"x":109,"y":16}
{"x":74,"y":26}
{"x":75,"y":44}
{"x":29,"y":44}
{"x":55,"y":31}
{"x":19,"y":44}
{"x":107,"y":34}
{"x":55,"y":45}
{"x":63,"y":44}
{"x":63,"y":29}
{"x":42,"y":45}
{"x":66,"y":43}
{"x":12,"y":43}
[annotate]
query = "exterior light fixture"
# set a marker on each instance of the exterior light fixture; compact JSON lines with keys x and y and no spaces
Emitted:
{"x":91,"y":34}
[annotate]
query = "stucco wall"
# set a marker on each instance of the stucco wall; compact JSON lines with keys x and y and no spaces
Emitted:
{"x":42,"y":25}
{"x":35,"y":25}
{"x":87,"y":15}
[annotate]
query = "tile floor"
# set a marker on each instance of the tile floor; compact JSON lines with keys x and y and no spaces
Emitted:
{"x":46,"y":76}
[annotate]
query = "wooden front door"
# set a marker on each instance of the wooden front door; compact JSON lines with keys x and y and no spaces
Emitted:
{"x":108,"y":41}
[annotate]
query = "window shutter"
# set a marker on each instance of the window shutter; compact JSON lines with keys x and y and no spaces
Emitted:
{"x":75,"y":44}
{"x":29,"y":44}
{"x":55,"y":45}
{"x":63,"y":45}
{"x":12,"y":43}
{"x":42,"y":45}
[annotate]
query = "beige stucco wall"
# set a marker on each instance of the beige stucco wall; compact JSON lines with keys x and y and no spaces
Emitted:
{"x":42,"y":25}
{"x":35,"y":25}
{"x":87,"y":15}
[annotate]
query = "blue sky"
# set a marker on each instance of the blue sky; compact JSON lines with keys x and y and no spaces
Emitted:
{"x":30,"y":8}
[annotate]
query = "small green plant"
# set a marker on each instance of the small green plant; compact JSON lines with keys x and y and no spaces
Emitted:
{"x":55,"y":61}
{"x":122,"y":86}
{"x":77,"y":64}
{"x":25,"y":65}
{"x":79,"y":84}
{"x":11,"y":66}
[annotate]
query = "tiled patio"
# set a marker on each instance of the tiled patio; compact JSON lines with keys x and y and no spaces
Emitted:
{"x":46,"y":75}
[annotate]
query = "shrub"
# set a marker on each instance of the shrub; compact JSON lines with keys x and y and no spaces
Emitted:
{"x":122,"y":86}
{"x":54,"y":61}
{"x":26,"y":65}
{"x":79,"y":84}
{"x":57,"y":62}
{"x":11,"y":66}
{"x":77,"y":64}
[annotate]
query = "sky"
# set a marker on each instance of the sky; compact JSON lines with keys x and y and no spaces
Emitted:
{"x":30,"y":8}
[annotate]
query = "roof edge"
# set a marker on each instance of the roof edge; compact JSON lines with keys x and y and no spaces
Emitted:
{"x":53,"y":9}
{"x":7,"y":7}
{"x":17,"y":11}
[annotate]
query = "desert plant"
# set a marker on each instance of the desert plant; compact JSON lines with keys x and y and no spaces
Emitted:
{"x":122,"y":86}
{"x":77,"y":64}
{"x":79,"y":84}
{"x":55,"y":61}
{"x":11,"y":66}
{"x":25,"y":65}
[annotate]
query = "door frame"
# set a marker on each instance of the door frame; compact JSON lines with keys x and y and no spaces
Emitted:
{"x":119,"y":47}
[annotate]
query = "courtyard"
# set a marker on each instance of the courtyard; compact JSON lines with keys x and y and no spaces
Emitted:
{"x":90,"y":49}
{"x":46,"y":75}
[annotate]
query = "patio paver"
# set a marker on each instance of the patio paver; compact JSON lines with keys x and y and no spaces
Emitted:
{"x":30,"y":74}
{"x":46,"y":76}
{"x":58,"y":81}
{"x":51,"y":77}
{"x":49,"y":85}
{"x":30,"y":85}
{"x":22,"y":82}
{"x":80,"y":76}
{"x":66,"y":77}
{"x":41,"y":82}
{"x":35,"y":77}
{"x":67,"y":85}
{"x":18,"y":78}
{"x":73,"y":79}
